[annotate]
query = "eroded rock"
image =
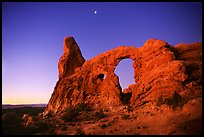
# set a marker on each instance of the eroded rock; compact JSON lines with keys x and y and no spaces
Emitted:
{"x":71,"y":58}
{"x":160,"y":71}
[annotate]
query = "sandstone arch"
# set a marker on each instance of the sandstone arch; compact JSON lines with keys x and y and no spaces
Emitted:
{"x":83,"y":81}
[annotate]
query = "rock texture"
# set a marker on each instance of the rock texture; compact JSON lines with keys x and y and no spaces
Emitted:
{"x":165,"y":75}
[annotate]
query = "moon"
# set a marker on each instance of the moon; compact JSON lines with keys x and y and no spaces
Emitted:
{"x":95,"y":12}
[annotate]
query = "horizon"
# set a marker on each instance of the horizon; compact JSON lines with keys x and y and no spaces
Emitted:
{"x":33,"y":33}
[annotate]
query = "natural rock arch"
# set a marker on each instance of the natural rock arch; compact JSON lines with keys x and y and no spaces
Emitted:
{"x":105,"y":64}
{"x":93,"y":82}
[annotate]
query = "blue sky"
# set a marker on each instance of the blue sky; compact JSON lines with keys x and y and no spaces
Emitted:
{"x":33,"y":33}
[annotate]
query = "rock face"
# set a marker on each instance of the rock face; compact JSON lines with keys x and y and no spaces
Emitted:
{"x":163,"y":74}
{"x":71,"y":58}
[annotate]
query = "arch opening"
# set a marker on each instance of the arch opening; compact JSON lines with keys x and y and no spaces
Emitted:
{"x":101,"y":76}
{"x":124,"y":70}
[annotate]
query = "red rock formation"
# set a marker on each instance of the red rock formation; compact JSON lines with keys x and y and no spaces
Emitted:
{"x":71,"y":58}
{"x":163,"y":74}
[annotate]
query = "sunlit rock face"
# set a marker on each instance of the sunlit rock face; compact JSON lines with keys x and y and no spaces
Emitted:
{"x":71,"y":58}
{"x":162,"y":73}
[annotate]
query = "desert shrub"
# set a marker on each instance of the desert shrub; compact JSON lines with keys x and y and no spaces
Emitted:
{"x":11,"y":124}
{"x":160,"y":101}
{"x":45,"y":127}
{"x":64,"y":128}
{"x":99,"y":114}
{"x":125,"y":116}
{"x":42,"y":125}
{"x":103,"y":126}
{"x":129,"y":108}
{"x":25,"y":110}
{"x":80,"y":106}
{"x":49,"y":114}
{"x":11,"y":118}
{"x":79,"y":131}
{"x":70,"y":115}
{"x":83,"y":107}
{"x":12,"y":121}
{"x":87,"y":117}
{"x":172,"y":102}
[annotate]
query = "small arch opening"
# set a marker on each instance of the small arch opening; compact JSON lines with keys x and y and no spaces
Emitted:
{"x":101,"y":76}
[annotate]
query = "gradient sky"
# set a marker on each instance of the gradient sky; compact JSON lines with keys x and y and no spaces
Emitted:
{"x":33,"y":33}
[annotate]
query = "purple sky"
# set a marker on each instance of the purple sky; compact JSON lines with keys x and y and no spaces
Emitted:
{"x":33,"y":33}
